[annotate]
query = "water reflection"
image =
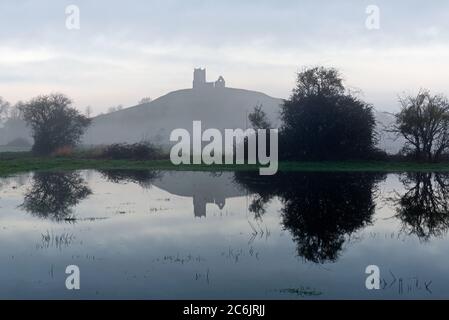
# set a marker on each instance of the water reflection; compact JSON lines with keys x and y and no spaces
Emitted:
{"x":203,"y":187}
{"x":144,"y":178}
{"x":424,"y":208}
{"x":136,"y":237}
{"x":52,"y":195}
{"x":319,"y":209}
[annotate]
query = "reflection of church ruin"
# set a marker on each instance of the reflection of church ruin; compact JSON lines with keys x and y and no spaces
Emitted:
{"x":200,"y":202}
{"x":204,"y":187}
{"x":199,"y":80}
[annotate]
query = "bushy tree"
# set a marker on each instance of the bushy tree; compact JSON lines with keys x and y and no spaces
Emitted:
{"x":54,"y":122}
{"x":323,"y":121}
{"x":424,"y":123}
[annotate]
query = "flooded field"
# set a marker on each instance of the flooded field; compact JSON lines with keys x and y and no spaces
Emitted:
{"x":202,"y":235}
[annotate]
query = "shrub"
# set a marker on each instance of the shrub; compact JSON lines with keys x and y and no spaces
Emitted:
{"x":135,"y":151}
{"x":66,"y":151}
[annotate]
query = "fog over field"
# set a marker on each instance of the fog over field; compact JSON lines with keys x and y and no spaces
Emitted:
{"x":219,"y":108}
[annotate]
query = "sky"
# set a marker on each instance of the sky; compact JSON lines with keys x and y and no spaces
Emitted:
{"x":126,"y":50}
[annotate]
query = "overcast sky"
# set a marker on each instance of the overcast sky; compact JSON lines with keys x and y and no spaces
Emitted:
{"x":125,"y":50}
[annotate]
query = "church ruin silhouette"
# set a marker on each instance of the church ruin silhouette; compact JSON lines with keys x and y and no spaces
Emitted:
{"x":199,"y":80}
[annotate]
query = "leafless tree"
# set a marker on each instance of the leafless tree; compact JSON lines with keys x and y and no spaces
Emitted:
{"x":424,"y":123}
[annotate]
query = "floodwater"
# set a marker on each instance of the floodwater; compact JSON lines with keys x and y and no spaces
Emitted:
{"x":202,"y":235}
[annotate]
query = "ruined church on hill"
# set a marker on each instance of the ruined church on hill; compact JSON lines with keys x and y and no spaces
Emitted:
{"x":199,"y":80}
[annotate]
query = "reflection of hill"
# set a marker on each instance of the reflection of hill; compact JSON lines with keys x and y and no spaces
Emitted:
{"x":203,"y":187}
{"x":216,"y":108}
{"x":388,"y":141}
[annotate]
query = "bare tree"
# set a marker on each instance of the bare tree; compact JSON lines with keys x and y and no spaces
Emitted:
{"x":258,"y":118}
{"x":424,"y":123}
{"x":88,"y":111}
{"x":145,"y":100}
{"x":4,"y":109}
{"x":15,"y":112}
{"x":115,"y":109}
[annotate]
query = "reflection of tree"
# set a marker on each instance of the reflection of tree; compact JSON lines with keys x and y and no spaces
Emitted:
{"x":53,"y":194}
{"x":424,"y":208}
{"x":262,"y":187}
{"x":257,"y":206}
{"x":144,"y":178}
{"x":319,"y":209}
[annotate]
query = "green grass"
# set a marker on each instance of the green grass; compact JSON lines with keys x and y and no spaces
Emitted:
{"x":12,"y":163}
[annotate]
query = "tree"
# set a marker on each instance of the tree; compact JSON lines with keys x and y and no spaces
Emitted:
{"x":259,"y":121}
{"x":54,"y":123}
{"x":115,"y":109}
{"x":424,"y":123}
{"x":15,"y":112}
{"x":88,"y":111}
{"x":4,"y":109}
{"x":323,"y":121}
{"x":258,"y":118}
{"x":145,"y":100}
{"x":318,"y":81}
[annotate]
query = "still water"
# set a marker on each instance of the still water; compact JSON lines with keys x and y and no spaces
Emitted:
{"x":200,"y":235}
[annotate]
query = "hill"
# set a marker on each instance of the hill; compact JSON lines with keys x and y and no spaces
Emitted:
{"x":219,"y":108}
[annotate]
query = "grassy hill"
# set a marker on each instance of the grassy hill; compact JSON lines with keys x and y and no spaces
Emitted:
{"x":216,"y":107}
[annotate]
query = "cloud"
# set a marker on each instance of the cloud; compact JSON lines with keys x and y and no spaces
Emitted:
{"x":17,"y":56}
{"x":126,"y":50}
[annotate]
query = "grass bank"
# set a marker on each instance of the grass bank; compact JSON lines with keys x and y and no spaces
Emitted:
{"x":12,"y":163}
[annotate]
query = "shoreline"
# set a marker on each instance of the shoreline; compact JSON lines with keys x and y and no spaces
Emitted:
{"x":11,"y":164}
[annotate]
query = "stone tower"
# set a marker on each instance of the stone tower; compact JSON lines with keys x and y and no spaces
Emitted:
{"x":199,"y":78}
